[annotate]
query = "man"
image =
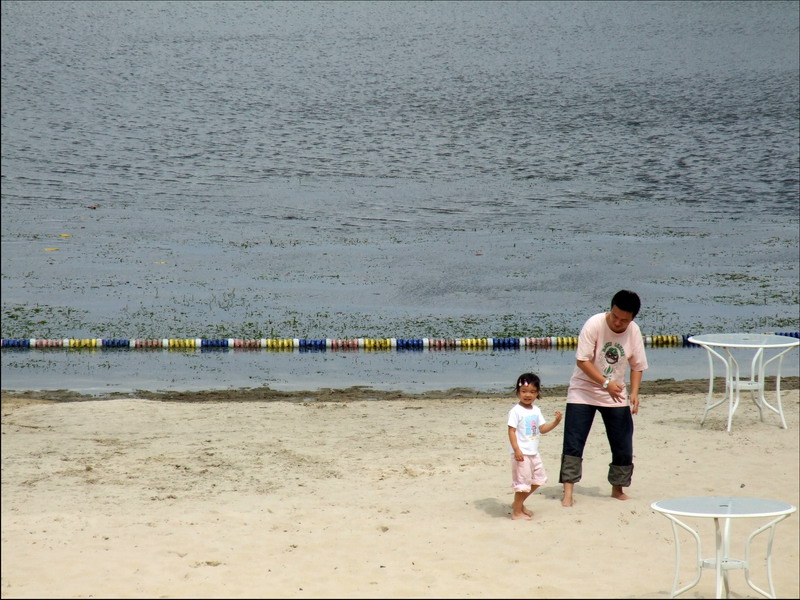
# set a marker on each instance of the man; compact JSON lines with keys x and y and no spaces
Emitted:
{"x":608,"y":343}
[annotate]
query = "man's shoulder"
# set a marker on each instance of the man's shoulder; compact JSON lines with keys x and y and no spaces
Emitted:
{"x":595,"y":322}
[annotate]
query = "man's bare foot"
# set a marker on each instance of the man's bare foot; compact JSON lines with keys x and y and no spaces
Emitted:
{"x":566,"y":497}
{"x":527,"y":511}
{"x":521,"y":515}
{"x":616,"y":492}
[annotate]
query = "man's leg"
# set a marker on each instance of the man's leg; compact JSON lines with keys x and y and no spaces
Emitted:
{"x":577,"y":425}
{"x":619,"y":430}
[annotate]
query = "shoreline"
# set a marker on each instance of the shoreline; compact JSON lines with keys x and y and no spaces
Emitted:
{"x":354,"y":393}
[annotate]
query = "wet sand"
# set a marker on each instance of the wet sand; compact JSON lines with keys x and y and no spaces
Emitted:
{"x":695,"y":387}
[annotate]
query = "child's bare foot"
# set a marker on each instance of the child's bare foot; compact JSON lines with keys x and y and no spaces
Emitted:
{"x":527,"y":511}
{"x":616,"y":492}
{"x":521,"y":515}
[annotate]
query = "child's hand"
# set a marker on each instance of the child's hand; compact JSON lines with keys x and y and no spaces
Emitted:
{"x":558,"y":417}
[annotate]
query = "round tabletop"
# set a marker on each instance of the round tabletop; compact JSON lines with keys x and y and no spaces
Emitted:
{"x":745,"y":340}
{"x":721,"y":507}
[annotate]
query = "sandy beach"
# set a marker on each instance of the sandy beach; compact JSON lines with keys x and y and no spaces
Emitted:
{"x":144,"y":498}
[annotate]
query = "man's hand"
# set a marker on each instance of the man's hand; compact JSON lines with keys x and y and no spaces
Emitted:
{"x":615,"y":390}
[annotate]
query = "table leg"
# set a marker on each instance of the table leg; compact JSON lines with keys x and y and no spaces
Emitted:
{"x":726,"y":553}
{"x":779,"y":409}
{"x":771,"y":527}
{"x":757,"y":382}
{"x":710,"y":398}
{"x":721,"y":557}
{"x":698,"y":562}
{"x":731,"y":385}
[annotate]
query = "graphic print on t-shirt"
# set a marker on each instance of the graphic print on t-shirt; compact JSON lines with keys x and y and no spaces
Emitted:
{"x":530,"y":427}
{"x":613,"y":353}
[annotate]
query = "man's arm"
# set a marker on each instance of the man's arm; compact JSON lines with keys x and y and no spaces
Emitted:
{"x":636,"y":380}
{"x":592,"y":372}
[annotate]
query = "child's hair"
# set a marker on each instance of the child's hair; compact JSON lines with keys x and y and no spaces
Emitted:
{"x":528,"y":379}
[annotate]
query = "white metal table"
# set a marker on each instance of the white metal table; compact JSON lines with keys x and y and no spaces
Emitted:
{"x":722,"y":510}
{"x":716,"y":343}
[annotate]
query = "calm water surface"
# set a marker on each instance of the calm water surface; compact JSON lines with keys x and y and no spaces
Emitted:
{"x":391,"y":169}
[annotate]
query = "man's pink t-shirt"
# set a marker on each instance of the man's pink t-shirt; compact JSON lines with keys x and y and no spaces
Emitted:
{"x":611,"y":353}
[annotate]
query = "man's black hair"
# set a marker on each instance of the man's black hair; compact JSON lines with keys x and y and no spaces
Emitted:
{"x":628,"y":301}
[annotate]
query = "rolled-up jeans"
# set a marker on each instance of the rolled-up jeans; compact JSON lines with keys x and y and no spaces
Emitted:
{"x":619,"y":431}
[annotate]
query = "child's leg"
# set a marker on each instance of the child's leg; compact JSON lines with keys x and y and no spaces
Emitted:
{"x":523,"y":475}
{"x":518,"y":510}
{"x":526,"y":510}
{"x":538,"y":477}
{"x":521,"y":482}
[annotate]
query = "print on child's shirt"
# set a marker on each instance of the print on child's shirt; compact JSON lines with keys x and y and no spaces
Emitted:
{"x":530,"y":427}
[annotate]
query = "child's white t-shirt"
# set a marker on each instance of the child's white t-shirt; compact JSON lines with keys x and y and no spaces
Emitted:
{"x":527,"y":423}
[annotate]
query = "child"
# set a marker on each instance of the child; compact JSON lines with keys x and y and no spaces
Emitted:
{"x":525,"y":424}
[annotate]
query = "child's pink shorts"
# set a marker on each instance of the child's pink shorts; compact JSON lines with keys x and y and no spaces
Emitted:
{"x":527,"y":472}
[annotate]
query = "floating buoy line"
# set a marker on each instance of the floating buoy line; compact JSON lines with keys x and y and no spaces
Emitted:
{"x":329,"y":344}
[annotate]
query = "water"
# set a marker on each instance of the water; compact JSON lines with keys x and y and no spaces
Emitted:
{"x":391,"y":170}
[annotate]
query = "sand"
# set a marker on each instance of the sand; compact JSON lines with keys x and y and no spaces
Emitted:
{"x":408,"y":498}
